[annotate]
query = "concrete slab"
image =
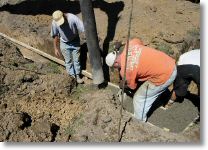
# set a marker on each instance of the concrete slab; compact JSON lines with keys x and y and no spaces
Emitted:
{"x":174,"y":119}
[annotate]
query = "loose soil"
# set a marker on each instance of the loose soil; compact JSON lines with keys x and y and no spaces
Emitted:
{"x":39,"y":102}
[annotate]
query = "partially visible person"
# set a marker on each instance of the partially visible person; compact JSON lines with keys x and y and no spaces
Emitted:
{"x":144,"y":64}
{"x":65,"y":32}
{"x":191,"y":57}
{"x":188,"y":70}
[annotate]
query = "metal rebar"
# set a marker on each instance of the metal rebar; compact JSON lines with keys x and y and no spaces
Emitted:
{"x":124,"y":79}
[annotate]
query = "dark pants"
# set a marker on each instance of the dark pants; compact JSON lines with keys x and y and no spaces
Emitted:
{"x":186,"y":74}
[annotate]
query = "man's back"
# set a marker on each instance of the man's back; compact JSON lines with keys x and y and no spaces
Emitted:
{"x":155,"y":66}
{"x":146,"y":63}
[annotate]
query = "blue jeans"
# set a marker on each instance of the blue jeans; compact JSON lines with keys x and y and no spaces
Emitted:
{"x":71,"y":53}
{"x":147,"y":94}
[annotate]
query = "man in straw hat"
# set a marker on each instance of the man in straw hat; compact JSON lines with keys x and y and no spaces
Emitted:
{"x":152,"y":67}
{"x":65,"y":32}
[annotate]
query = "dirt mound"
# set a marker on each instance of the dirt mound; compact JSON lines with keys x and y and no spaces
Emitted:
{"x":25,"y":90}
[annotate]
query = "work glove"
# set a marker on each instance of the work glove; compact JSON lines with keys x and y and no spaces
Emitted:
{"x":127,"y":90}
{"x":121,"y":84}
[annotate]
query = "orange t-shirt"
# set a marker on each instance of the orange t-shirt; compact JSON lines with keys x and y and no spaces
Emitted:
{"x":144,"y":63}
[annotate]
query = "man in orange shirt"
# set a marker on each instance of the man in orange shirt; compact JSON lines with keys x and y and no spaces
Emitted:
{"x":156,"y":69}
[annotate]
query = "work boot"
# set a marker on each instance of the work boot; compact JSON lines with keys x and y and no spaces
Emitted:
{"x":79,"y":80}
{"x":72,"y":76}
{"x":169,"y":104}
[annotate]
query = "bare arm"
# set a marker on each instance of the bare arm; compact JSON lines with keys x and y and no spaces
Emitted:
{"x":56,"y":43}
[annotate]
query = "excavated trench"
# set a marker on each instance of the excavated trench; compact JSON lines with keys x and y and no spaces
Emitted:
{"x":47,"y":128}
{"x":175,"y":119}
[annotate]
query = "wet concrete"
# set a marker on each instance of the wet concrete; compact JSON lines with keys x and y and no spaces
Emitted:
{"x":174,"y":119}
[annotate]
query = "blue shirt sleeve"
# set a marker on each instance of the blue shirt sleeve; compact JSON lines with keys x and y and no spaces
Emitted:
{"x":54,"y":30}
{"x":80,"y":25}
{"x":77,"y":23}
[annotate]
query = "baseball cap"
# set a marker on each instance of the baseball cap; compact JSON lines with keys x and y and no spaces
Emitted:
{"x":110,"y":58}
{"x":58,"y":17}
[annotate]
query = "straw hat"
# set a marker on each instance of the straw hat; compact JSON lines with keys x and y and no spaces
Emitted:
{"x":58,"y":17}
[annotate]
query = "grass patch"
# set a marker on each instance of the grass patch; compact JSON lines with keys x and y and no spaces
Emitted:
{"x":194,"y":32}
{"x":79,"y":90}
{"x":31,"y":66}
{"x":76,"y":122}
{"x":111,"y":47}
{"x":165,"y":48}
{"x":69,"y":131}
{"x":50,"y":67}
{"x":54,"y":67}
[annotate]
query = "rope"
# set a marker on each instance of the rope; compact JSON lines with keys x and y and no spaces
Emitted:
{"x":124,"y":79}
